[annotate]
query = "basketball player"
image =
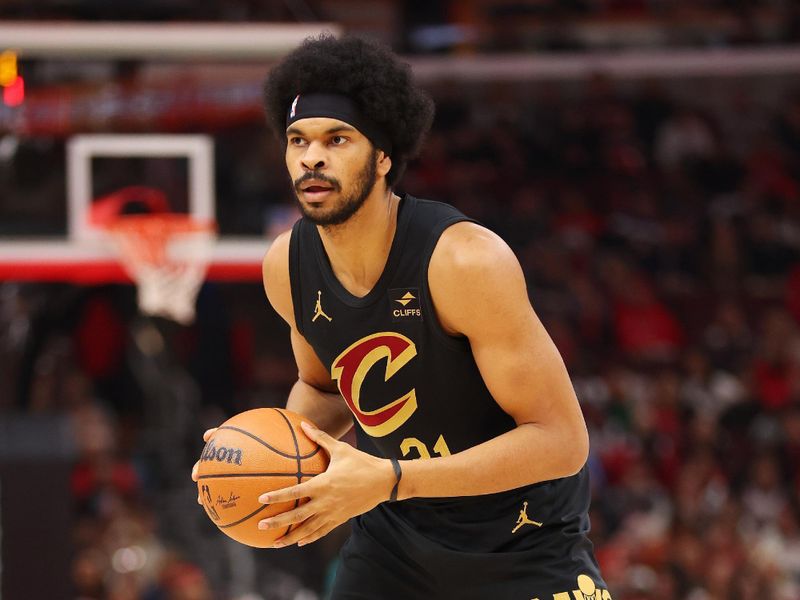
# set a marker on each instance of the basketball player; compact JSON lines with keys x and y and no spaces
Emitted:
{"x":412,"y":323}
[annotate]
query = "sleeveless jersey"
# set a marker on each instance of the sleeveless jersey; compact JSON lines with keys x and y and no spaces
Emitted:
{"x":416,"y":392}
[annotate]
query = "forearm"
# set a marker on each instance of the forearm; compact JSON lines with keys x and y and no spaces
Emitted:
{"x":527,"y":454}
{"x":326,"y":410}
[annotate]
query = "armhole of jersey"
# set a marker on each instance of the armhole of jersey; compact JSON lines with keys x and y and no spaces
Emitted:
{"x":294,"y":277}
{"x":460,"y":342}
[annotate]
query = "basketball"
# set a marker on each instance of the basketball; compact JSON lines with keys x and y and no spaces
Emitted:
{"x":254,"y":452}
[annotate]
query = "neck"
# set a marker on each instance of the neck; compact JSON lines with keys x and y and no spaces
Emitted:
{"x":358,"y":249}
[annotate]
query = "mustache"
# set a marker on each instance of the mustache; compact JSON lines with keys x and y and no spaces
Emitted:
{"x":318,"y":177}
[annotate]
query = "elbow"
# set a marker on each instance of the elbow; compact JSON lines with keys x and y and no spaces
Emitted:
{"x":575,"y":449}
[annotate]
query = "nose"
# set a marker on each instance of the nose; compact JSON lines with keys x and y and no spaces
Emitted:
{"x":314,"y":157}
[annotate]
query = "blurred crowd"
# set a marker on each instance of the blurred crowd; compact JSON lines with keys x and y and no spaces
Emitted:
{"x":660,"y":241}
{"x":136,"y":394}
{"x":484,"y":25}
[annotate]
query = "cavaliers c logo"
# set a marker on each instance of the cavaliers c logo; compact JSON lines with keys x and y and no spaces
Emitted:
{"x":351,"y":367}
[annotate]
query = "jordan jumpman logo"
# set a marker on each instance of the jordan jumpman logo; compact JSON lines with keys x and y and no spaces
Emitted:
{"x":523,"y":518}
{"x":318,"y":312}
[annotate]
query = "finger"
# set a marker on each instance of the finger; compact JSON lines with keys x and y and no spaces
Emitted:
{"x":208,"y":433}
{"x":319,"y":436}
{"x":319,"y":533}
{"x":295,"y":492}
{"x":194,"y":470}
{"x":304,"y":530}
{"x":290,"y":517}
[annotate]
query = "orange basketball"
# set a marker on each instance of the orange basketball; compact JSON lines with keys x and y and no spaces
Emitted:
{"x":256,"y":451}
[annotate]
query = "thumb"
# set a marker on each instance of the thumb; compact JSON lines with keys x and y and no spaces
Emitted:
{"x":319,"y":436}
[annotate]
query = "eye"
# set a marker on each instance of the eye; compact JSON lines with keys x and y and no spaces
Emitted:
{"x":296,"y":141}
{"x":338,"y":140}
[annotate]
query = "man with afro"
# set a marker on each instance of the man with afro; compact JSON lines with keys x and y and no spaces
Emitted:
{"x":412,"y":323}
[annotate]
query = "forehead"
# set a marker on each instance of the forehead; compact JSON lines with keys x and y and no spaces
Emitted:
{"x":319,"y":126}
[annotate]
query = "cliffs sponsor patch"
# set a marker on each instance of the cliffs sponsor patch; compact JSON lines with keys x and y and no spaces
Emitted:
{"x":405,"y":304}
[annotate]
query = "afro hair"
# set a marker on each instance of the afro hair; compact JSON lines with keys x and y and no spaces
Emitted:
{"x":370,"y":75}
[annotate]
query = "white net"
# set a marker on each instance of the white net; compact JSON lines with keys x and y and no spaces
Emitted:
{"x":167,"y":255}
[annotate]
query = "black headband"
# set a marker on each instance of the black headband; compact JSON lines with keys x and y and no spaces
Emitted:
{"x":337,"y":106}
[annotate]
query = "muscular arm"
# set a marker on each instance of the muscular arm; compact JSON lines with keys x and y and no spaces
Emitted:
{"x":479,"y":291}
{"x":314,"y":395}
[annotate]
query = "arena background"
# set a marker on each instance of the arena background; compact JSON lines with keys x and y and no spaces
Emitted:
{"x":642,"y":157}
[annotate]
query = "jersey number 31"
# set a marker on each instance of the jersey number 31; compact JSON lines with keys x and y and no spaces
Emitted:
{"x":412,"y":443}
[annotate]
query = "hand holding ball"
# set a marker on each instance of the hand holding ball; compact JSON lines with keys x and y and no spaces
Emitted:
{"x":254,"y":452}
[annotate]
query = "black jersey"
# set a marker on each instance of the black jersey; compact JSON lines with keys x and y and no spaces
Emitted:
{"x":416,"y":392}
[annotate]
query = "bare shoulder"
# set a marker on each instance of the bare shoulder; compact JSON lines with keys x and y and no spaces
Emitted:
{"x":275,"y":273}
{"x":472,"y":274}
{"x":467,"y":250}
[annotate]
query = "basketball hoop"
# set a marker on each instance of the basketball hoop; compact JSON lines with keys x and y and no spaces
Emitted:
{"x":167,"y":255}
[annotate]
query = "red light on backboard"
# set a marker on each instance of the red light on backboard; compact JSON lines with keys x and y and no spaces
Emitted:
{"x":14,"y":93}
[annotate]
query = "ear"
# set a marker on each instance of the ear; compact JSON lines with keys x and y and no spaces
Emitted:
{"x":384,"y":164}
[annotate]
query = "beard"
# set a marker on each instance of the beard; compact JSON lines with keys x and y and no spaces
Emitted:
{"x":349,"y":204}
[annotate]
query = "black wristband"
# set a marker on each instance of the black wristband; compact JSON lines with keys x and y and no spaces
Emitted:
{"x":398,"y":473}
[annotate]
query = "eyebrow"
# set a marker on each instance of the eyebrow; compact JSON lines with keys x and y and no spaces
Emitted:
{"x":297,"y":131}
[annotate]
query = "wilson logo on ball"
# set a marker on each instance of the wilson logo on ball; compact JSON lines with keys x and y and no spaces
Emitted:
{"x":222,"y":454}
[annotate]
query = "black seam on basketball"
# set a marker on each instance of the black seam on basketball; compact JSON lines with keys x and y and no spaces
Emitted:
{"x":226,"y":475}
{"x":243,"y":519}
{"x":296,"y":446}
{"x":297,"y":456}
{"x":263,"y":443}
{"x":305,"y":456}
